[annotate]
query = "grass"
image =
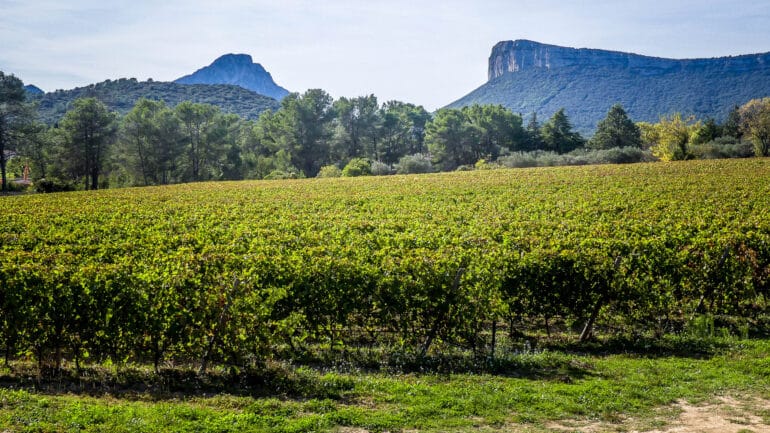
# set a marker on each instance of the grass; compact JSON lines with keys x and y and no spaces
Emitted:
{"x":583,"y":388}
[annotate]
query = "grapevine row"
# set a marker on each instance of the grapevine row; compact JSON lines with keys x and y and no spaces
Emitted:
{"x":236,"y":273}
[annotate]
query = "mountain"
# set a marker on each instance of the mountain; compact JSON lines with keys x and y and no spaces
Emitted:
{"x":240,"y":70}
{"x":33,"y":90}
{"x":121,"y":95}
{"x":528,"y":76}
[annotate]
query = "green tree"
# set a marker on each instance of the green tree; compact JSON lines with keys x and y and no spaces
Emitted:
{"x":533,"y":134}
{"x":452,"y":140}
{"x":357,"y":127}
{"x":38,"y":148}
{"x":500,"y":128}
{"x":558,"y":135}
{"x":16,"y":117}
{"x":232,"y":164}
{"x":198,"y":126}
{"x":708,"y":131}
{"x":616,"y":130}
{"x":674,"y":134}
{"x":152,"y":138}
{"x":732,"y":126}
{"x":301,"y":127}
{"x":90,"y":129}
{"x":649,"y":134}
{"x":755,"y":122}
{"x":402,"y":131}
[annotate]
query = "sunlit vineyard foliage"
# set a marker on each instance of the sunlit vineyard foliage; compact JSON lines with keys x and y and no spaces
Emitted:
{"x":233,"y":273}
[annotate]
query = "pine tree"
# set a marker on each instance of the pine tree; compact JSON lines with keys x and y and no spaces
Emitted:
{"x":616,"y":130}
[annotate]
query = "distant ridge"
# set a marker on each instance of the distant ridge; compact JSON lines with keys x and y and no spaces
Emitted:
{"x":239,"y":70}
{"x":121,"y":95}
{"x":33,"y":90}
{"x":528,"y":76}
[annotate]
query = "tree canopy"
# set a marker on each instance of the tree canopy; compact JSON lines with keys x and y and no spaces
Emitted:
{"x":616,"y":130}
{"x":558,"y":136}
{"x":89,"y":129}
{"x":755,"y":123}
{"x":16,"y":117}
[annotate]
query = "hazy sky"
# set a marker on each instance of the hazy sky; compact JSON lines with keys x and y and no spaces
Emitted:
{"x":425,"y":52}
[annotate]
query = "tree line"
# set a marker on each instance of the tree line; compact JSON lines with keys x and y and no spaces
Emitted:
{"x":311,"y":134}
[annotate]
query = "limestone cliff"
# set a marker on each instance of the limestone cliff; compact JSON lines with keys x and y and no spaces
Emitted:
{"x":520,"y":55}
{"x":528,"y":77}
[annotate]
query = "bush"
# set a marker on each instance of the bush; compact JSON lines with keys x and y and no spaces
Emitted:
{"x":519,"y":160}
{"x":357,"y":167}
{"x":380,"y":169}
{"x":329,"y":171}
{"x":620,"y":155}
{"x":53,"y":185}
{"x":483,"y":164}
{"x":414,"y":164}
{"x":723,"y":147}
{"x":540,"y":158}
{"x":280,"y":174}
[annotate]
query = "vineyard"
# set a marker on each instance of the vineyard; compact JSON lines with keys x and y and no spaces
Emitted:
{"x":238,"y":273}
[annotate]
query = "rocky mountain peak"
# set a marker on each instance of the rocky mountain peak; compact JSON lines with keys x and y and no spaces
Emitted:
{"x":521,"y":55}
{"x":240,"y":70}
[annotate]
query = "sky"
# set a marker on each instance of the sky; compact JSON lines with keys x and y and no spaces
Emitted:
{"x":427,"y":52}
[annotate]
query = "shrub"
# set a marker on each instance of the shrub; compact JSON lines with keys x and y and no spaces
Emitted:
{"x":53,"y":185}
{"x":620,"y":155}
{"x":413,"y":164}
{"x":357,"y":167}
{"x":723,"y":147}
{"x":329,"y":171}
{"x":539,"y":158}
{"x":519,"y":160}
{"x":483,"y":164}
{"x":280,"y":174}
{"x":379,"y":168}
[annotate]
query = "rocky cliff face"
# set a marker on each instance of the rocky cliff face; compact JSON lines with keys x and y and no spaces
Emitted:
{"x":240,"y":70}
{"x":529,"y":77}
{"x":522,"y":55}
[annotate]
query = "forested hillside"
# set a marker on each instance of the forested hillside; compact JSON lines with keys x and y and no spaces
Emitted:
{"x":121,"y":95}
{"x":529,"y":77}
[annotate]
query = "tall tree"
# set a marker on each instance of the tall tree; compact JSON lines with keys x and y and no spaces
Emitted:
{"x":38,"y":148}
{"x":15,"y":119}
{"x":137,"y":133}
{"x":755,"y":122}
{"x":558,"y":135}
{"x":616,"y":130}
{"x":500,"y":128}
{"x":732,"y":126}
{"x":452,"y":140}
{"x":357,"y":127}
{"x":708,"y":131}
{"x":302,"y":129}
{"x":402,"y":131}
{"x":197,"y":120}
{"x":673,"y":134}
{"x":534,"y":136}
{"x":90,"y":128}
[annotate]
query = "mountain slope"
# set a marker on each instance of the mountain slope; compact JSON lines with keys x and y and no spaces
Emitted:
{"x":528,"y":77}
{"x":121,"y":95}
{"x":239,"y":70}
{"x":33,"y":90}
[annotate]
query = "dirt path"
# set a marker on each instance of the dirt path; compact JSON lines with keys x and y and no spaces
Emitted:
{"x":720,"y":415}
